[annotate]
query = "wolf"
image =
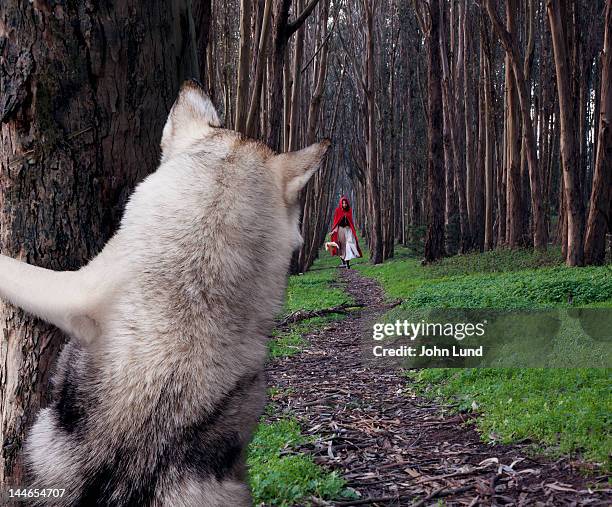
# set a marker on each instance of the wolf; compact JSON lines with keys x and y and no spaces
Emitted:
{"x":158,"y":391}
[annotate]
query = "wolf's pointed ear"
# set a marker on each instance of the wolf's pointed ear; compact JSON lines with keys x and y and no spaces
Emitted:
{"x":296,"y":168}
{"x":192,"y":113}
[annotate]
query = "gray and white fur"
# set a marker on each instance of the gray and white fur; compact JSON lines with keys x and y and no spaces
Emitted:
{"x":159,"y":389}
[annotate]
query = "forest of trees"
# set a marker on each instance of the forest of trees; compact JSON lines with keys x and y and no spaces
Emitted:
{"x":457,"y":125}
{"x":463,"y":124}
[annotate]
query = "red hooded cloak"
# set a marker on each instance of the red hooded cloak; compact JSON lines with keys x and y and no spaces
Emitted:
{"x":339,"y":214}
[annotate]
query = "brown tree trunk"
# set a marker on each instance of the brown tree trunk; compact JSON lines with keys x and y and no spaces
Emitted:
{"x":539,"y":224}
{"x":468,"y":91}
{"x":479,"y":179}
{"x":571,"y":179}
{"x":459,"y":145}
{"x":85,"y":94}
{"x":282,"y":29}
{"x":601,"y":193}
{"x":202,"y":10}
{"x":314,"y":107}
{"x":309,"y":226}
{"x":489,"y":140}
{"x":514,"y":227}
{"x":244,"y":60}
{"x":529,"y":17}
{"x":372,"y":184}
{"x":296,"y":88}
{"x":260,"y":67}
{"x":449,"y":143}
{"x":434,"y":241}
{"x":413,"y":170}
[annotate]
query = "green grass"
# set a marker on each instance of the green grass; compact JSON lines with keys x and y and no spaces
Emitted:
{"x":289,"y":342}
{"x":503,"y":279}
{"x":279,"y":476}
{"x":503,"y":260}
{"x":313,"y":290}
{"x":566,"y":411}
{"x":563,"y":410}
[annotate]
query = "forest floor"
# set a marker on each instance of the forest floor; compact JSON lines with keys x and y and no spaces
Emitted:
{"x":392,"y":446}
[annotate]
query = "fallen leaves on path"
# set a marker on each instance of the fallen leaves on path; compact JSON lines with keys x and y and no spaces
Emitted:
{"x":394,"y":448}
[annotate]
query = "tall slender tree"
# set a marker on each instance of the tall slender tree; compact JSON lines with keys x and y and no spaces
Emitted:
{"x":601,"y":195}
{"x":559,"y":26}
{"x":434,"y":241}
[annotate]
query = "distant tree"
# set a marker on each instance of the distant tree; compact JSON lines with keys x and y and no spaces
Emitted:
{"x":434,"y":241}
{"x":601,"y":195}
{"x":282,"y":29}
{"x":559,"y":19}
{"x":529,"y":142}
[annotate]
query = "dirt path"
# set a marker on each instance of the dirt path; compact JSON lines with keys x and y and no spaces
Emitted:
{"x":397,"y":449}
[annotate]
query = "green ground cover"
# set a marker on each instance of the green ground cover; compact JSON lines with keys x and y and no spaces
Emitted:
{"x":279,"y":474}
{"x":562,"y":410}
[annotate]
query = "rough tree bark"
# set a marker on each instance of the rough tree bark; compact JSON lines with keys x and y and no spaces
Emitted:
{"x":295,"y":108}
{"x":202,"y":11}
{"x":468,"y":91}
{"x":514,"y":228}
{"x":244,"y":56}
{"x":479,"y":188}
{"x":84,"y":92}
{"x":601,"y":194}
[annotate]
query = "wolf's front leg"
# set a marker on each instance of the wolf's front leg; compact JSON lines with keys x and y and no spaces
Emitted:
{"x":59,"y":297}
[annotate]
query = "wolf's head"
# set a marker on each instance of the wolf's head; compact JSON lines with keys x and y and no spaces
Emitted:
{"x":229,"y":203}
{"x":193,"y":121}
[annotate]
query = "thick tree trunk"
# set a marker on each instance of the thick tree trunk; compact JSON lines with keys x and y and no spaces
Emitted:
{"x":310,"y":227}
{"x":413,"y":170}
{"x":296,"y":88}
{"x":85,"y":90}
{"x":571,"y":178}
{"x":528,"y":18}
{"x":601,"y":194}
{"x":434,"y":241}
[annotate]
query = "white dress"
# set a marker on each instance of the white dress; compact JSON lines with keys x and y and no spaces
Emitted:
{"x":348,"y":245}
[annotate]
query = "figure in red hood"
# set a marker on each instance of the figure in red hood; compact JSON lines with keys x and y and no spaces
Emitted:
{"x":344,"y":241}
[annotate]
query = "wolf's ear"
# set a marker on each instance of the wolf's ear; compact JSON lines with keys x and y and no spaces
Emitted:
{"x":191,"y":114}
{"x":296,"y":168}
